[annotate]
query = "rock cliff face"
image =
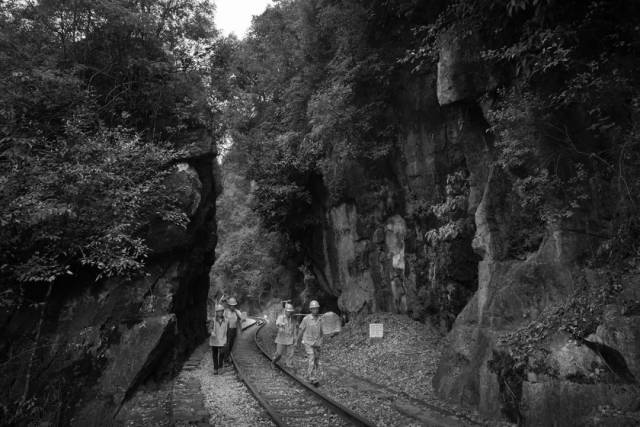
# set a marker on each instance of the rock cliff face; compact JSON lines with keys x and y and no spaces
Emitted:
{"x":392,"y":249}
{"x":101,"y":340}
{"x":530,"y":302}
{"x":434,"y":248}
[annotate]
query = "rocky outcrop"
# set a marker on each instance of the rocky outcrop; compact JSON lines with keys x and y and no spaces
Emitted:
{"x":436,"y":234}
{"x":462,"y":74}
{"x":101,"y":340}
{"x":511,"y":353}
{"x":565,"y":378}
{"x":357,"y":265}
{"x":372,"y":251}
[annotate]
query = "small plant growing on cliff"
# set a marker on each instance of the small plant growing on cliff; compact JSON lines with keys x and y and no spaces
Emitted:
{"x":447,"y":240}
{"x":451,"y":213}
{"x":550,"y":186}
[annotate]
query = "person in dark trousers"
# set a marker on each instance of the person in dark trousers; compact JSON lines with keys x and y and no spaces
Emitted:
{"x":218,"y":337}
{"x":234,"y":318}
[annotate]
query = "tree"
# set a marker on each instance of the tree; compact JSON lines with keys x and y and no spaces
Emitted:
{"x":94,"y":97}
{"x":91,"y":95}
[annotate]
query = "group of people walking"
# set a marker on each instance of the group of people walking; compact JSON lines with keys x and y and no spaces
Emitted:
{"x":226,"y":325}
{"x":223,"y":329}
{"x":309,"y":334}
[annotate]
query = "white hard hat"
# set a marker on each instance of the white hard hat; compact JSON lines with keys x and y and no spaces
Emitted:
{"x":314,"y":304}
{"x":232,"y":301}
{"x":289,"y":307}
{"x":219,"y":307}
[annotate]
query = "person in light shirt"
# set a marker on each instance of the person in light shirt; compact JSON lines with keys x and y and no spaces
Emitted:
{"x":286,"y":336}
{"x":218,"y":327}
{"x":311,"y":335}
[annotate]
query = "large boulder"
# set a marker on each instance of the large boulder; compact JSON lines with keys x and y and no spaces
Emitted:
{"x":521,"y":308}
{"x":100,"y":340}
{"x":184,"y":183}
{"x":462,"y":74}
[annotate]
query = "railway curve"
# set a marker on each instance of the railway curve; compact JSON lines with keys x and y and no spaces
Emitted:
{"x":289,"y":400}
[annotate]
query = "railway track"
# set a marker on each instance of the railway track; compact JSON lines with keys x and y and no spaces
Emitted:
{"x":289,"y":401}
{"x":399,"y":408}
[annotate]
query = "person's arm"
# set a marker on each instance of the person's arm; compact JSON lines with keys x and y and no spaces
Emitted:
{"x":239,"y":322}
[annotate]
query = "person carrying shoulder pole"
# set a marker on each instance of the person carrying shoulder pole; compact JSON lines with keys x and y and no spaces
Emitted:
{"x":286,"y":336}
{"x":311,"y":335}
{"x":234,"y":317}
{"x":218,"y":337}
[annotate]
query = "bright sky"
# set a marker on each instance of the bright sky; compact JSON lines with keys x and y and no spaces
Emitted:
{"x":234,"y":16}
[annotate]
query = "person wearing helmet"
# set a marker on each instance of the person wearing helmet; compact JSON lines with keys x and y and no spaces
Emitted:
{"x":311,"y":335}
{"x":218,"y":337}
{"x":234,"y":317}
{"x":285,"y":337}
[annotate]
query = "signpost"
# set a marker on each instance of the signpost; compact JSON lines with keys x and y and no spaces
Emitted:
{"x":375,"y":330}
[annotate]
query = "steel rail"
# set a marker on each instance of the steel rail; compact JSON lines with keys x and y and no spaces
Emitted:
{"x":364,"y":422}
{"x":343,"y":410}
{"x":335,"y":407}
{"x":275,"y":415}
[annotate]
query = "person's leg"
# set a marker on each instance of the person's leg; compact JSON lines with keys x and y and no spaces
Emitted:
{"x":214,"y":356}
{"x":316,"y":361}
{"x":288,"y":358}
{"x":220,"y":356}
{"x":231,"y":333}
{"x":279,"y":351}
{"x":310,"y":359}
{"x":227,"y":348}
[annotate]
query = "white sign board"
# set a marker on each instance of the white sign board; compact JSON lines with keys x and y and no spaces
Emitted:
{"x":375,"y":330}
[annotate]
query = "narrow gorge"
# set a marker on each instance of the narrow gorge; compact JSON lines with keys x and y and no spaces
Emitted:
{"x":466,"y":170}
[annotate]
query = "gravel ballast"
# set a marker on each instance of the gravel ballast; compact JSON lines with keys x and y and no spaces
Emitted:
{"x":401,"y":365}
{"x":388,"y":380}
{"x":228,"y":400}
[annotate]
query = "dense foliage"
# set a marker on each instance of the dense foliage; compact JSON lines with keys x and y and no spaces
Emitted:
{"x":319,"y":77}
{"x":248,"y":257}
{"x":91,"y":93}
{"x":317,"y":84}
{"x":565,"y":116}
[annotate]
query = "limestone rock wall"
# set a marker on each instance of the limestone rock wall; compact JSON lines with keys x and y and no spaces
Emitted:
{"x":101,"y":340}
{"x":522,"y":302}
{"x":442,"y":254}
{"x":372,"y":253}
